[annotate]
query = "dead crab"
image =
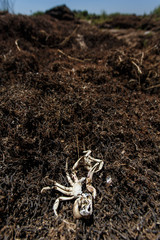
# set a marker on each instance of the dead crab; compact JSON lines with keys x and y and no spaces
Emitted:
{"x":83,"y":201}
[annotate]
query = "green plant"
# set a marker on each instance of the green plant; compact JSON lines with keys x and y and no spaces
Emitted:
{"x":38,"y":13}
{"x":156,"y":11}
{"x":103,"y":15}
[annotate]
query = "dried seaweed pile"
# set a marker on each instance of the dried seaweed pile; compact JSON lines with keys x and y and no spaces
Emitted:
{"x":67,"y":86}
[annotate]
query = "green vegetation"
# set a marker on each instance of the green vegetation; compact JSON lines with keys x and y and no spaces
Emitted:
{"x":38,"y":13}
{"x":84,"y":14}
{"x":156,"y":12}
{"x":96,"y":18}
{"x":93,"y":17}
{"x":103,"y":17}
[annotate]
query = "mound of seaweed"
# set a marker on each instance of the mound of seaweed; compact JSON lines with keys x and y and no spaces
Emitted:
{"x":69,"y":86}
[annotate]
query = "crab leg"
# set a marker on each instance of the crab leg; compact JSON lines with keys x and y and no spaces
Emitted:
{"x":69,"y":189}
{"x":59,"y":187}
{"x":67,"y":174}
{"x":76,"y":165}
{"x":88,"y":159}
{"x":56,"y":204}
{"x":99,"y":165}
{"x":68,"y":193}
{"x":46,"y":189}
{"x":87,"y":152}
{"x":89,"y":186}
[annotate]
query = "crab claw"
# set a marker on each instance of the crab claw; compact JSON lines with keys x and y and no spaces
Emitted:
{"x":83,"y":206}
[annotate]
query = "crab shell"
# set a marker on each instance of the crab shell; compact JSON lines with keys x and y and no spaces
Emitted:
{"x":83,"y":206}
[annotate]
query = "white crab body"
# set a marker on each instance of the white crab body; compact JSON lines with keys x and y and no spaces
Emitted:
{"x":77,"y":189}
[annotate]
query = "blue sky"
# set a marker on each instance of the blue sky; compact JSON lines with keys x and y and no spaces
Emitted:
{"x":93,"y":6}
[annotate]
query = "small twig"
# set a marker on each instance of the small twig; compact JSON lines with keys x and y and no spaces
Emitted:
{"x":63,"y":43}
{"x":150,"y":74}
{"x":150,"y":49}
{"x":3,"y":160}
{"x":16,"y":42}
{"x":72,"y":58}
{"x":156,"y":64}
{"x":120,"y":59}
{"x":77,"y":145}
{"x":71,"y":226}
{"x":142,"y":57}
{"x":153,"y":86}
{"x":138,"y":68}
{"x":124,"y":237}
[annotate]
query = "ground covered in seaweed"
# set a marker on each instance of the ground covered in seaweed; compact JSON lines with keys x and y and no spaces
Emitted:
{"x":67,"y":86}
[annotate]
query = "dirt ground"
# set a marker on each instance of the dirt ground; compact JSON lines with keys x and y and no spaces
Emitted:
{"x":67,"y":86}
